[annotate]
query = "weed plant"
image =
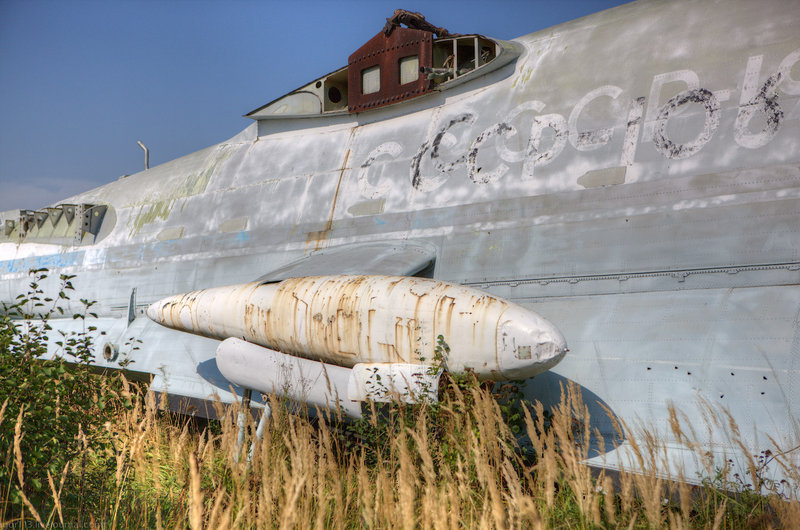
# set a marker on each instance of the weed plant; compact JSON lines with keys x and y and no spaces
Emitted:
{"x":51,"y":411}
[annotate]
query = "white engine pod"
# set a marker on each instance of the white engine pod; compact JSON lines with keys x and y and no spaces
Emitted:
{"x":346,"y":320}
{"x":324,"y":385}
{"x":312,"y":382}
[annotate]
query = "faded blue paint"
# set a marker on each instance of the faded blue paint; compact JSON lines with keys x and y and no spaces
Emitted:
{"x":48,"y":261}
{"x":163,"y":250}
{"x":242,"y":236}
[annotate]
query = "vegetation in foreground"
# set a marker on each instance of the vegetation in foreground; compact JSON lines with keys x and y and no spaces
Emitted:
{"x":81,"y":449}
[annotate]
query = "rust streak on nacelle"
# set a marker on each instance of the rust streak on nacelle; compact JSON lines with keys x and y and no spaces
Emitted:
{"x":345,"y":320}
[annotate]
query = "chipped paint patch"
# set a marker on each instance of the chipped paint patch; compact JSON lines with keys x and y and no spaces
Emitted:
{"x":234,"y":225}
{"x":674,"y":150}
{"x":367,"y":207}
{"x":610,"y":176}
{"x":176,"y":232}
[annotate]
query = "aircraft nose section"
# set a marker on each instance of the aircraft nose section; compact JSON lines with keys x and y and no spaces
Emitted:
{"x":153,"y":313}
{"x":528,"y":344}
{"x":158,"y":311}
{"x":171,"y":312}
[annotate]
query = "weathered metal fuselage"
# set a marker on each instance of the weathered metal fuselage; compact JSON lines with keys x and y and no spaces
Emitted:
{"x":633,"y":177}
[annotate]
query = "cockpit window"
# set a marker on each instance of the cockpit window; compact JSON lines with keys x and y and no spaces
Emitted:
{"x":409,"y":69}
{"x":371,"y":80}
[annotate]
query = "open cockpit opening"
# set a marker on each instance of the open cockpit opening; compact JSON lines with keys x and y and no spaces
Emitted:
{"x":455,"y":57}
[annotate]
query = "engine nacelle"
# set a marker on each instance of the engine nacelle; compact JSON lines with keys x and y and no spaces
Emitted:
{"x":347,"y":320}
{"x":323,"y":385}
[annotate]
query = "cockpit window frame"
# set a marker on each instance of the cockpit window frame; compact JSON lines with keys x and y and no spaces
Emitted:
{"x":386,"y":52}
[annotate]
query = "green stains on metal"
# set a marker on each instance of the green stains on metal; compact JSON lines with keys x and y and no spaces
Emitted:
{"x":197,"y":183}
{"x":151,"y":213}
{"x":193,"y":184}
{"x":523,"y":77}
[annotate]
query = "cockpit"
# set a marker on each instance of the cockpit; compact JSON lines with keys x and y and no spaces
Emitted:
{"x":396,"y":65}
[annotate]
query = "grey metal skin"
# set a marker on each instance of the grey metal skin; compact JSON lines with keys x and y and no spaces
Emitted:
{"x":633,"y":177}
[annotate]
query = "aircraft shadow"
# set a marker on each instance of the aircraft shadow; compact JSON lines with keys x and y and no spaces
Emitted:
{"x":209,"y":371}
{"x":547,"y":388}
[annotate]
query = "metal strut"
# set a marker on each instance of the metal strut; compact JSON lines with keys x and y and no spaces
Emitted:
{"x":241,"y":421}
{"x":266,"y":414}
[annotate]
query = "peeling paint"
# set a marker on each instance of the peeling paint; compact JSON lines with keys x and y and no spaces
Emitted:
{"x":234,"y":225}
{"x":669,"y":148}
{"x":170,"y":234}
{"x":610,"y":176}
{"x":197,"y":183}
{"x":374,"y":207}
{"x":755,"y":100}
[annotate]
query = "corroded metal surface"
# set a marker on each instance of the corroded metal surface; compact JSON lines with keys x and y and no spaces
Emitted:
{"x":346,"y":320}
{"x":384,"y":52}
{"x":413,"y":20}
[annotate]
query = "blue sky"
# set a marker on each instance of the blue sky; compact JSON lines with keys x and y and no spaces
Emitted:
{"x":82,"y":80}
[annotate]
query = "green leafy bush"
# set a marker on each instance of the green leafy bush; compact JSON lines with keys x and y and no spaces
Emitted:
{"x":53,"y":406}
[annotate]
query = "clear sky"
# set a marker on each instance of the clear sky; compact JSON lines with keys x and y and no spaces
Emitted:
{"x":82,"y":80}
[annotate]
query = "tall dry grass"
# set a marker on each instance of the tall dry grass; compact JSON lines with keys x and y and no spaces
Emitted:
{"x":453,"y":465}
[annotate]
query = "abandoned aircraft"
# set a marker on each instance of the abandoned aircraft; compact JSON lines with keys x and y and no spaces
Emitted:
{"x":627,"y":183}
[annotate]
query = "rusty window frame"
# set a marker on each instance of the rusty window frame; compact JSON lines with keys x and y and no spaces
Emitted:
{"x":386,"y":51}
